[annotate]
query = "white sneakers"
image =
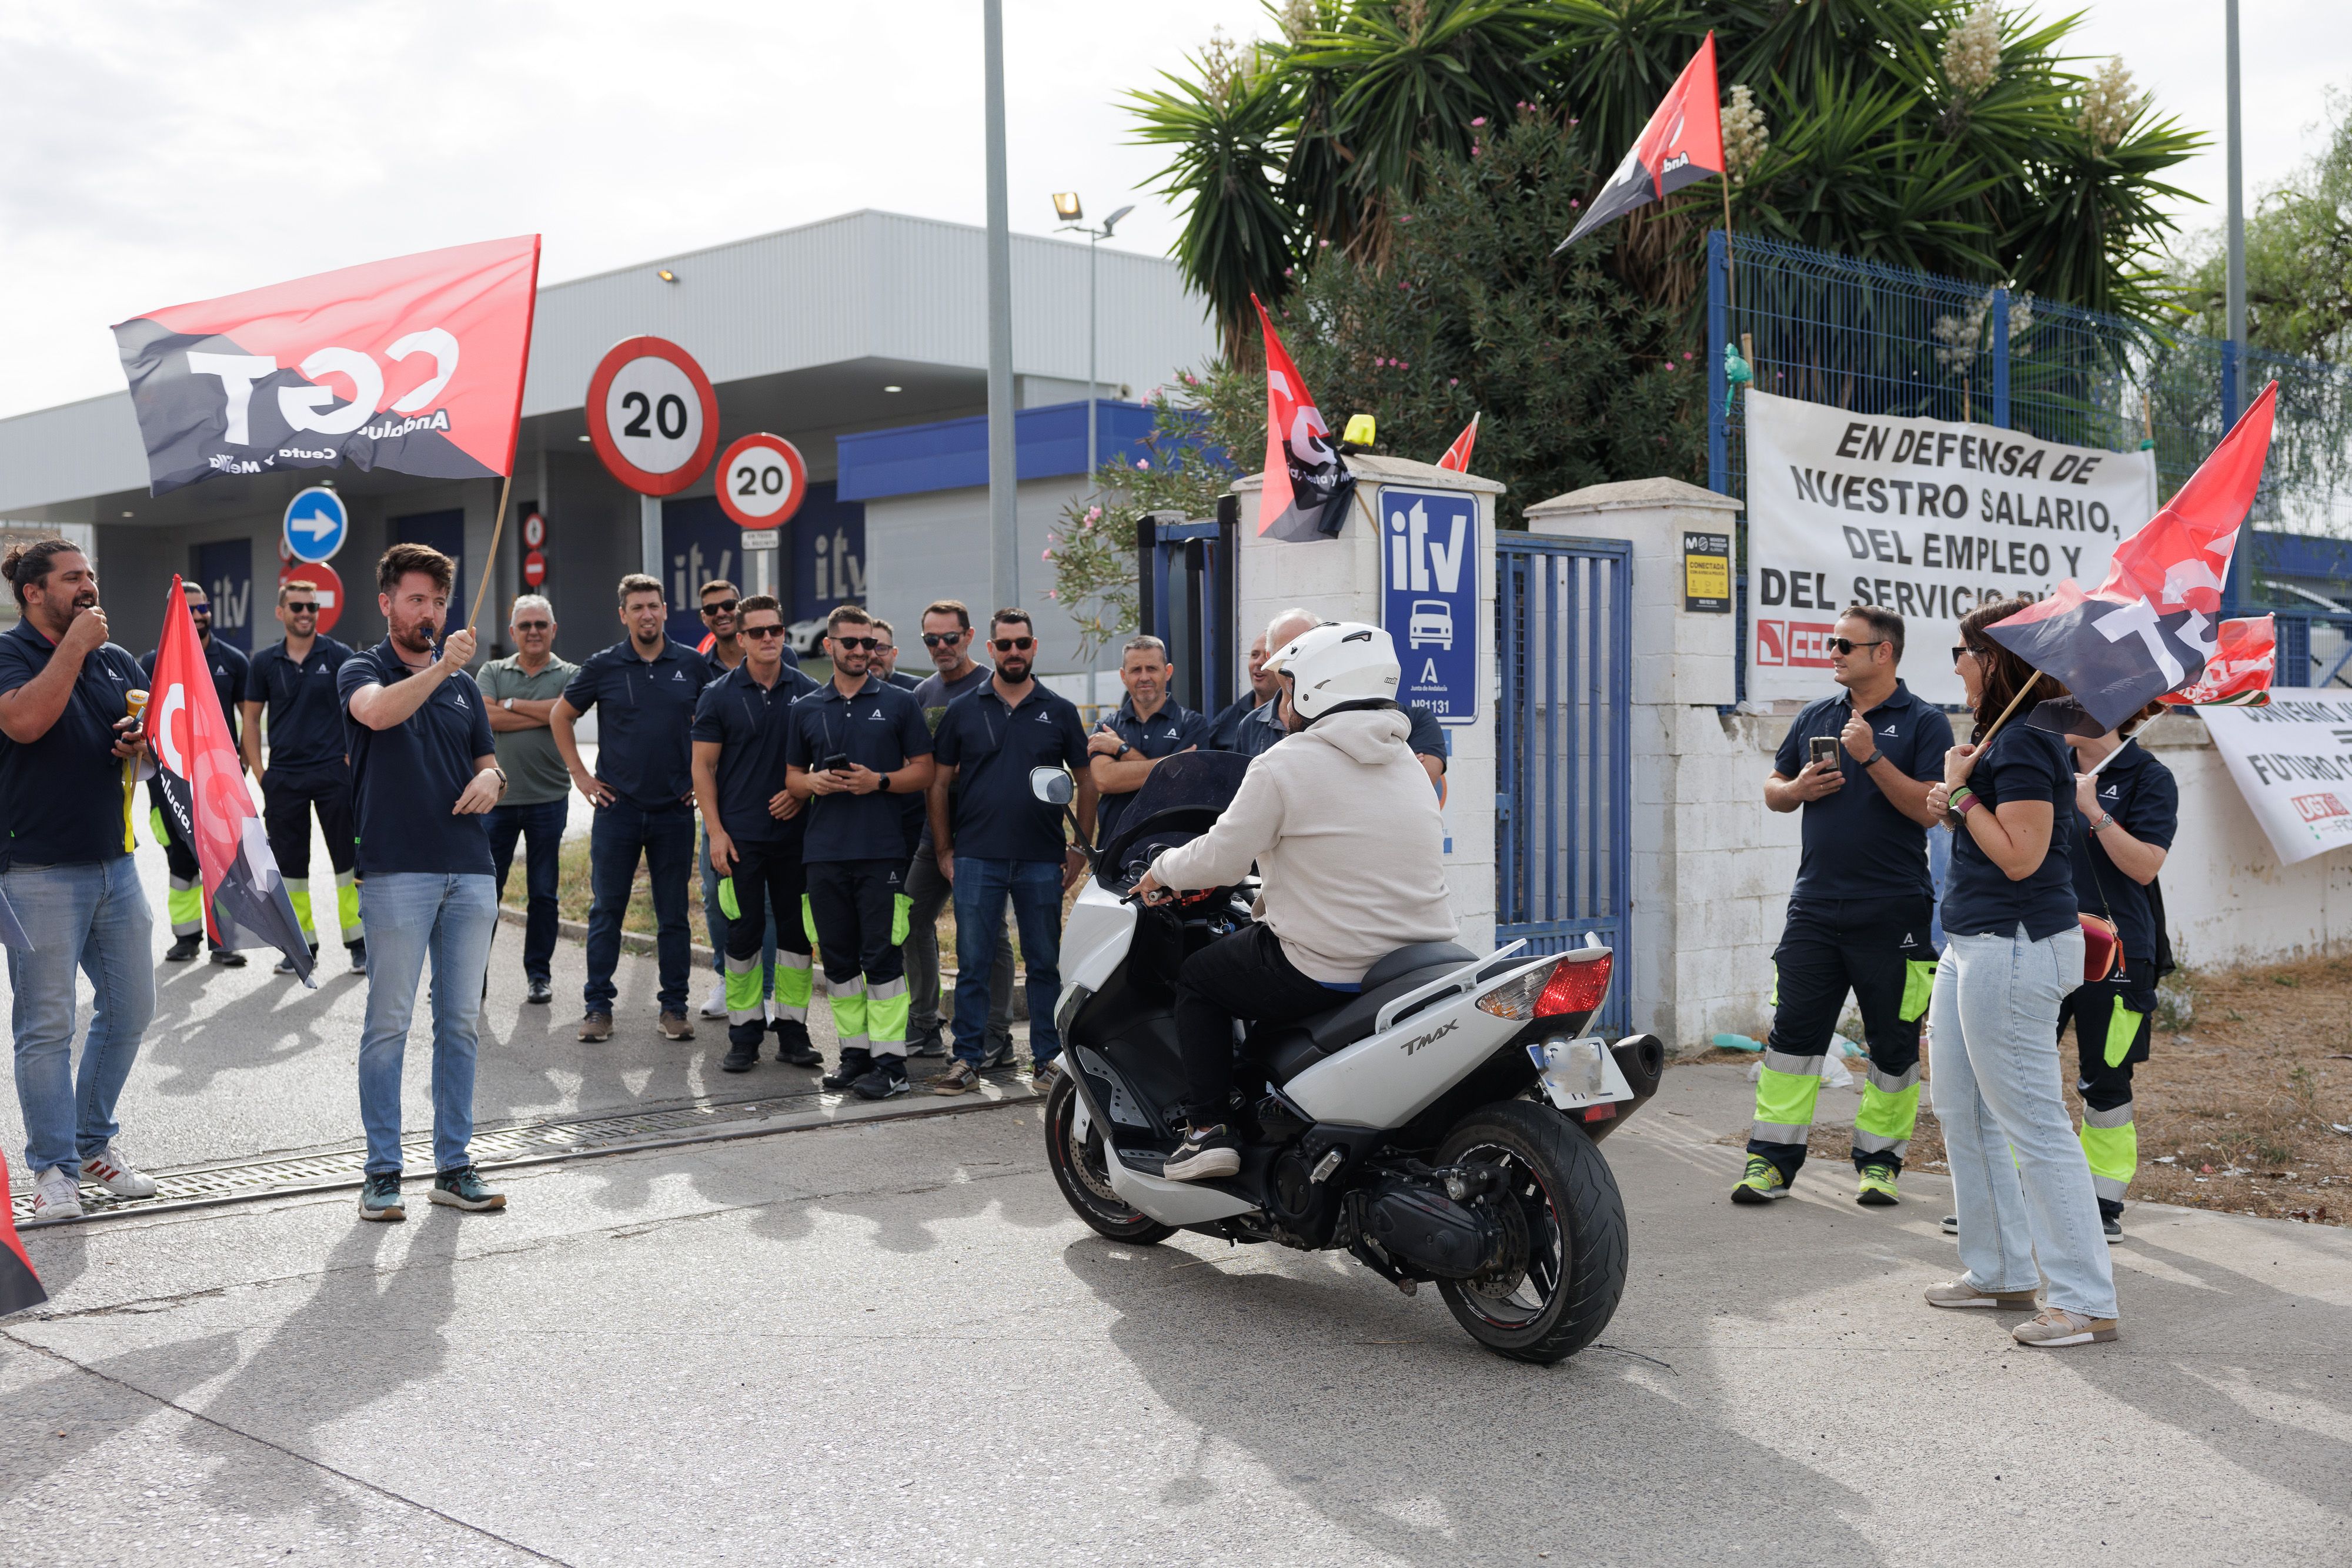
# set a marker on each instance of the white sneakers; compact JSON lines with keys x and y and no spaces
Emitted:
{"x":715,"y":1005}
{"x":117,"y":1174}
{"x":54,"y":1195}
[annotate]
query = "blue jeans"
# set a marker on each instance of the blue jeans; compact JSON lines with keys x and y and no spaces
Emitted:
{"x":94,"y":915}
{"x":1998,"y":1091}
{"x":981,"y":886}
{"x":665,"y":834}
{"x":407,"y":914}
{"x":539,"y":826}
{"x":716,"y":918}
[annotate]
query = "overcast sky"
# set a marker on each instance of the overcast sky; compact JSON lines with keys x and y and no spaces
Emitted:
{"x":164,"y":152}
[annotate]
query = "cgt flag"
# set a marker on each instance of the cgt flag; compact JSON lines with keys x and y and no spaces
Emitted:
{"x":2150,"y":627}
{"x":1682,"y":144}
{"x":244,"y":897}
{"x":413,"y":364}
{"x":1457,"y":456}
{"x":1308,"y":488}
{"x":19,"y":1287}
{"x":2239,"y":672}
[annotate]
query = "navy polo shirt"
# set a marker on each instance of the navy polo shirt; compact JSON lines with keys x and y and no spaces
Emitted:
{"x":2146,"y":801}
{"x":641,"y":736}
{"x":1170,"y":730}
{"x":305,"y":718}
{"x":1257,"y":730}
{"x":1857,"y":844}
{"x":1224,"y":730}
{"x":749,"y":723}
{"x":61,"y":796}
{"x":230,"y":671}
{"x":992,"y":748}
{"x":934,"y":694}
{"x":1980,"y":900}
{"x":880,"y":728}
{"x":405,"y":779}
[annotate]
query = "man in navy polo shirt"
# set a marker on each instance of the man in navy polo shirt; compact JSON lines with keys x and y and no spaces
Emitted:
{"x":643,"y":790}
{"x":855,"y":742}
{"x":296,"y":679}
{"x":65,"y":734}
{"x":994,"y":839}
{"x":186,"y":905}
{"x":425,"y":777}
{"x":1150,"y":724}
{"x":1858,"y":918}
{"x":754,"y":827}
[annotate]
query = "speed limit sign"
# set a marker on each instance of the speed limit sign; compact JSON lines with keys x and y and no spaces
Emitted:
{"x":652,"y":416}
{"x":761,"y":481}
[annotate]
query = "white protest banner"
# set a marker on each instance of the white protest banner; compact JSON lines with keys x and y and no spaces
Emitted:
{"x":2293,"y":762}
{"x":1922,"y":517}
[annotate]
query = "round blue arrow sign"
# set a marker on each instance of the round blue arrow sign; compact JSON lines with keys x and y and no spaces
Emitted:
{"x":316,"y":524}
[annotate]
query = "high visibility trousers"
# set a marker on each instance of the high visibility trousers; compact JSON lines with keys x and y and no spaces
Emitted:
{"x":765,"y":879}
{"x":287,"y":805}
{"x":1879,"y":950}
{"x":2113,"y":1025}
{"x":857,"y":911}
{"x":185,"y":904}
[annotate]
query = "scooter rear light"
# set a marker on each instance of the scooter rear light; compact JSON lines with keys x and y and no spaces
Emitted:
{"x":1578,"y":984}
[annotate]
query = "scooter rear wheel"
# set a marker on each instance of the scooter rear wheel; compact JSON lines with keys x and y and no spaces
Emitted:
{"x":1080,"y":1169}
{"x":1567,"y":1220}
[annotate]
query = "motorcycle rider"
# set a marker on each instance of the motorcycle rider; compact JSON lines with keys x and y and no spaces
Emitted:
{"x":1345,"y":827}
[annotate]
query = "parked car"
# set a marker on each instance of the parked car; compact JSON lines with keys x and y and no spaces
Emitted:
{"x":808,"y":637}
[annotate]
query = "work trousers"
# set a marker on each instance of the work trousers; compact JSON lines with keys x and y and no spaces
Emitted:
{"x":286,"y":807}
{"x":663,"y":835}
{"x":185,"y":904}
{"x":1246,"y":975}
{"x":715,"y":919}
{"x":928,"y":893}
{"x":540,"y":827}
{"x":2113,"y":1020}
{"x":857,"y":912}
{"x":1878,"y":949}
{"x":761,"y":899}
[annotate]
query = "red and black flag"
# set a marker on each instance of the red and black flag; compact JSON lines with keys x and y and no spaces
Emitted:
{"x":2151,"y":627}
{"x":19,"y":1287}
{"x":1308,"y":488}
{"x":245,"y":900}
{"x":1682,"y":143}
{"x":1457,"y":456}
{"x":413,"y":364}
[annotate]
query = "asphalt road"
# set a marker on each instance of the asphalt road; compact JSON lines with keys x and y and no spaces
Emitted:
{"x":891,"y":1342}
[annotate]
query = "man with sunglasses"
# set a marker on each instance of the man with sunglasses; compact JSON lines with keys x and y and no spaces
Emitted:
{"x":1254,"y":732}
{"x":997,"y":844}
{"x":230,"y":669}
{"x":723,"y":643}
{"x":522,"y":691}
{"x":885,"y":656}
{"x":723,"y":646}
{"x":854,"y":743}
{"x":949,"y":636}
{"x":307,"y":771}
{"x":1859,"y":914}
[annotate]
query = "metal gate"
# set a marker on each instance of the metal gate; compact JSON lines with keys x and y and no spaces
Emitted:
{"x":1564,"y":758}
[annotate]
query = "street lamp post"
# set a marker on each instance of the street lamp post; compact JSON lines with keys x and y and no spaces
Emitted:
{"x":1067,"y":207}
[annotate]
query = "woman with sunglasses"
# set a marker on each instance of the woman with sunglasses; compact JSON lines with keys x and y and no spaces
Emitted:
{"x":2012,"y":951}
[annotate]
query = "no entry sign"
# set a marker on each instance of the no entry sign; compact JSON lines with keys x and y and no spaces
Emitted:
{"x":534,"y":569}
{"x":761,"y":481}
{"x":652,"y":416}
{"x":330,"y":589}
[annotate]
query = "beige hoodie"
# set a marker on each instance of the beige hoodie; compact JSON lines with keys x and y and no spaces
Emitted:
{"x":1344,"y":827}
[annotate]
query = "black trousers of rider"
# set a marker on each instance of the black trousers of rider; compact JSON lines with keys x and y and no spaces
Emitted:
{"x":1244,"y":976}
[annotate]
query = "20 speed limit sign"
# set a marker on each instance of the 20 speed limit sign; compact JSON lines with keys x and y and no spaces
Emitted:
{"x":761,"y":481}
{"x":652,"y":416}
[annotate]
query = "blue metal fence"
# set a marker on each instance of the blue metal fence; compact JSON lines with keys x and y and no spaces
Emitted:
{"x":1859,"y":334}
{"x":1564,"y":757}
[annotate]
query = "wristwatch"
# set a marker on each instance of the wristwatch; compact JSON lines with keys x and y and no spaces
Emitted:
{"x":1874,"y":759}
{"x":507,"y":702}
{"x":2106,"y":820}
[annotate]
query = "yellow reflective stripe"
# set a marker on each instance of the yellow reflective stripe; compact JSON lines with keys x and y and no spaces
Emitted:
{"x":2113,"y":1152}
{"x":887,"y":1007}
{"x":1786,"y":1098}
{"x":727,"y":905}
{"x":155,"y":824}
{"x":901,"y":910}
{"x":347,"y":905}
{"x":742,"y":989}
{"x":186,"y":904}
{"x":298,"y":892}
{"x":2123,"y":1027}
{"x":808,"y":918}
{"x":1886,"y":1115}
{"x":1919,"y":983}
{"x":1776,"y":985}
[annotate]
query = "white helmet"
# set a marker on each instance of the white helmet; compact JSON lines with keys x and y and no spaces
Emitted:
{"x":1335,"y":664}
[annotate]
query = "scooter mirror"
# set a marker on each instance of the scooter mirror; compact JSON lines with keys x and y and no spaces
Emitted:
{"x":1052,"y":786}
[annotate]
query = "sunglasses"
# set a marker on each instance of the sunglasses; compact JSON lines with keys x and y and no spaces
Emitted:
{"x":534,"y":625}
{"x":1959,"y":649}
{"x":1014,"y":645}
{"x":762,"y":631}
{"x":1847,"y":644}
{"x":943,"y":639}
{"x":868,"y":644}
{"x":721,"y":607}
{"x":305,"y":608}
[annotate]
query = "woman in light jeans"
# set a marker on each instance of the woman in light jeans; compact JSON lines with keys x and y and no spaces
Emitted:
{"x":2012,"y":950}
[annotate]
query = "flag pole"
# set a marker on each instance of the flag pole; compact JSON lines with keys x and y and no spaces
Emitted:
{"x":506,"y":488}
{"x":1987,"y":738}
{"x":1730,"y":270}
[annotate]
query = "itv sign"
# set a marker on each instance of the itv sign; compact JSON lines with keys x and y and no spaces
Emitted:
{"x":1429,"y":598}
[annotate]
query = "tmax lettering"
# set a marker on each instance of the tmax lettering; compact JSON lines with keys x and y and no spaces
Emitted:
{"x":1432,"y":1037}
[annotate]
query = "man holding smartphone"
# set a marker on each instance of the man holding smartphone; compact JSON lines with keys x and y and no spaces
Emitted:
{"x":1859,"y":765}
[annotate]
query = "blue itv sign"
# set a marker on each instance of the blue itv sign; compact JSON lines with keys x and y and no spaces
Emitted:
{"x":1429,"y":598}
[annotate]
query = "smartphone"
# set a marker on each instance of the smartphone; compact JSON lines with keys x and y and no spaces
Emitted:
{"x":1824,"y":747}
{"x":837,"y":763}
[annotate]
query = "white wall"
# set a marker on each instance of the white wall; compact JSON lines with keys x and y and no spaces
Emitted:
{"x":934,"y":546}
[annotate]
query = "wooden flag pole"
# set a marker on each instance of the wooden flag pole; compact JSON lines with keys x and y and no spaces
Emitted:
{"x":474,"y":614}
{"x":1731,"y":272}
{"x":1987,"y":738}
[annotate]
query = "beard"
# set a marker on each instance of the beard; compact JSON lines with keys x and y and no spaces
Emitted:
{"x":1014,"y":668}
{"x":416,"y":636}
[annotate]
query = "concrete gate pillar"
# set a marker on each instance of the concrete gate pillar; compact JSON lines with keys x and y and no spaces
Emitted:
{"x":1341,"y":580}
{"x":1694,"y":796}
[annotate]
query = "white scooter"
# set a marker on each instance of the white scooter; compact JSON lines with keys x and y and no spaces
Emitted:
{"x":1440,"y":1125}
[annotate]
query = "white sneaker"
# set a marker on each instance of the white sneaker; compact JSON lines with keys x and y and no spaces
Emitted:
{"x":117,"y":1174}
{"x":54,"y":1195}
{"x":715,"y":1006}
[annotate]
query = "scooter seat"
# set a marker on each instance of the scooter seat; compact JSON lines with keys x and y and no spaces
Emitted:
{"x":1301,"y":1045}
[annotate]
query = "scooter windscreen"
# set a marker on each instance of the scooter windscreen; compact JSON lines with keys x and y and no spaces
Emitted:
{"x":1184,"y":794}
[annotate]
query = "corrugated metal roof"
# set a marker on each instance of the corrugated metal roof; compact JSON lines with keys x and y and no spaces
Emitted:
{"x":863,"y":286}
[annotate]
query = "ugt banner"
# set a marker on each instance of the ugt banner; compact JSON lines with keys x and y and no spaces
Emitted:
{"x":2293,"y":762}
{"x":1926,"y":517}
{"x":413,"y":364}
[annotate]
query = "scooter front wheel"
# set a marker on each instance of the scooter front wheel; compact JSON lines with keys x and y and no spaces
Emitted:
{"x":1081,"y":1169}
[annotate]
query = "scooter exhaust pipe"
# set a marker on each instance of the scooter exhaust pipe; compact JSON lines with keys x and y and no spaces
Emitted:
{"x":1641,"y":1058}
